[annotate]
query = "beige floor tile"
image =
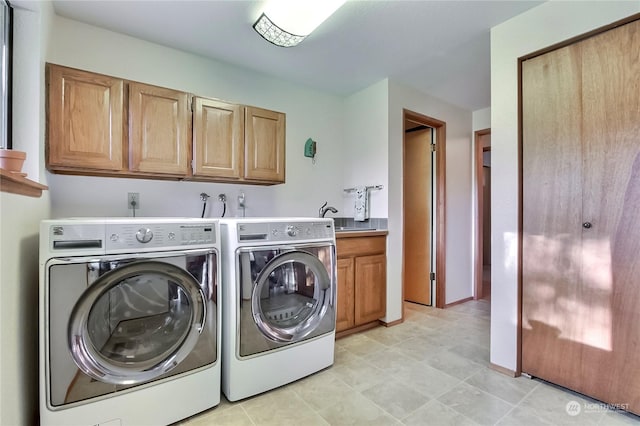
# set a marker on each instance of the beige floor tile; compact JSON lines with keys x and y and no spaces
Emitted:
{"x":426,"y":380}
{"x":510,"y":389}
{"x":421,"y":348}
{"x":344,"y":355}
{"x":436,"y":413}
{"x":360,"y":374}
{"x":479,"y":406}
{"x":392,"y":335}
{"x":476,"y":353}
{"x":454,"y":364}
{"x":355,"y":409}
{"x":231,"y":416}
{"x":396,"y":399}
{"x":360,"y":344}
{"x":550,"y":404}
{"x":281,"y":407}
{"x":390,"y":360}
{"x":321,"y":390}
{"x":619,"y":418}
{"x":522,"y":416}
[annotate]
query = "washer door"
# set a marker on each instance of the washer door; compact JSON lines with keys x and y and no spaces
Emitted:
{"x":292,"y":294}
{"x":136,"y":322}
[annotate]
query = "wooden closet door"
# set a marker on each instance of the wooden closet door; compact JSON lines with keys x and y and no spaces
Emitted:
{"x":581,"y":226}
{"x":551,"y":216}
{"x":611,"y":203}
{"x":417,"y":219}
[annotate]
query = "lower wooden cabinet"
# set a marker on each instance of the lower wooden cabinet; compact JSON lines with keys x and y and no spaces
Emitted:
{"x":362,"y":281}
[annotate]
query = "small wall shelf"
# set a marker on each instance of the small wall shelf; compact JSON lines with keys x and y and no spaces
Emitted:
{"x":17,"y":183}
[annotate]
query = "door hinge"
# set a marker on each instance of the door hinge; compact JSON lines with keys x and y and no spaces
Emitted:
{"x":433,"y":147}
{"x":432,"y":276}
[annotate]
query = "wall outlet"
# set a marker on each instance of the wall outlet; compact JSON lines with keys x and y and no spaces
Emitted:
{"x":133,"y":201}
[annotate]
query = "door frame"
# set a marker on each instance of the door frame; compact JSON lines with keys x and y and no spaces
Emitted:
{"x":479,"y":258}
{"x":439,"y":207}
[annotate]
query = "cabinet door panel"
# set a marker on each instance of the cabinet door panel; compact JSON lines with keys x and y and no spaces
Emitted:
{"x":345,"y":302}
{"x":158,"y":130}
{"x":370,"y":288}
{"x":217,"y":139}
{"x":264,"y":145}
{"x":85,"y":120}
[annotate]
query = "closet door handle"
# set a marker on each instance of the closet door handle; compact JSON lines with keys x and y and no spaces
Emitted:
{"x":586,"y":225}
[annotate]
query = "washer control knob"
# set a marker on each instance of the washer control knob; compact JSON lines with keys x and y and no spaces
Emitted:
{"x":114,"y":237}
{"x":292,"y":231}
{"x":172,"y":236}
{"x":144,"y":235}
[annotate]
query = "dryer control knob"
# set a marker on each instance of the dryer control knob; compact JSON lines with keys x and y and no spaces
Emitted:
{"x":144,"y":235}
{"x":292,"y":231}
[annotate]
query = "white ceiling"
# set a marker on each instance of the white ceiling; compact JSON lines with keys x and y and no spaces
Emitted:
{"x":438,"y":47}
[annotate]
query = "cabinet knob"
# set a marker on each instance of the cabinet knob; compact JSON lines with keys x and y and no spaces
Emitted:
{"x":586,"y":225}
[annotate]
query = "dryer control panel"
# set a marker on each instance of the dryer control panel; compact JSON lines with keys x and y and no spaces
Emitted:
{"x":285,"y":231}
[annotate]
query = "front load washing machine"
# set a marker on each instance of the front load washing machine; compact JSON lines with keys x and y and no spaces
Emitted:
{"x":129,"y":320}
{"x":279,"y":298}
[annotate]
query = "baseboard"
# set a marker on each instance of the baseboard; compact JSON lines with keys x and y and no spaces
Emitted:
{"x":448,"y":305}
{"x":358,"y":329}
{"x":503,"y":370}
{"x":392,"y":323}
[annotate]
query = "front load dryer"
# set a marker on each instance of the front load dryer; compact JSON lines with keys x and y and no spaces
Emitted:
{"x":129,"y":320}
{"x":279,"y":299}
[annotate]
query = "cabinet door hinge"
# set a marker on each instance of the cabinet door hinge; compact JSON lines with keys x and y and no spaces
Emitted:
{"x":432,"y":276}
{"x":433,"y":147}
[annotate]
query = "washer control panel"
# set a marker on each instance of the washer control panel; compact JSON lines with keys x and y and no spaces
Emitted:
{"x":138,"y":235}
{"x":285,"y":231}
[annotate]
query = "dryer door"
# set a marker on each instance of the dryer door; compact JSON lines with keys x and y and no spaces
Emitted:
{"x":293,"y":293}
{"x":136,"y":322}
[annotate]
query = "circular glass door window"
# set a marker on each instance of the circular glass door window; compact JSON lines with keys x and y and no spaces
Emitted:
{"x":290,"y":297}
{"x":136,"y":322}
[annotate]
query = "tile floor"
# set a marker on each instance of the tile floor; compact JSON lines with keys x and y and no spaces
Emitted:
{"x":430,"y":370}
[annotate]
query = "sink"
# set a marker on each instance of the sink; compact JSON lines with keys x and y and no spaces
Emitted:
{"x":352,"y":229}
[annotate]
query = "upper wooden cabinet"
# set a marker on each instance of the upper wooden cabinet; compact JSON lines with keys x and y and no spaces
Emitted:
{"x":218,"y":142}
{"x":238,"y":143}
{"x":264,"y":145}
{"x":101,"y":125}
{"x":89,"y":132}
{"x":159,"y":130}
{"x":85,"y":120}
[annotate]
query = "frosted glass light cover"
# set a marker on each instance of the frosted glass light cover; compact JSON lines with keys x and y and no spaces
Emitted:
{"x":287,"y":22}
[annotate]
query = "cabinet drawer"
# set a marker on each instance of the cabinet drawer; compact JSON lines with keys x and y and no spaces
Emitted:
{"x":346,"y":247}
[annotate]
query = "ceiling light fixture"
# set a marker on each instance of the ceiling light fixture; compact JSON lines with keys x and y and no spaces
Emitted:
{"x":286,"y":23}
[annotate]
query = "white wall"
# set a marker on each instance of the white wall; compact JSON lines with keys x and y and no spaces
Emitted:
{"x":481,"y":119}
{"x":19,"y":225}
{"x":458,"y":193}
{"x":310,"y":114}
{"x":538,"y":28}
{"x":365,"y":148}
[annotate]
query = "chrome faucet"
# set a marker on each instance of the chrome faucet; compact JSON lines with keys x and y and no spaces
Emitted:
{"x":324,"y":209}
